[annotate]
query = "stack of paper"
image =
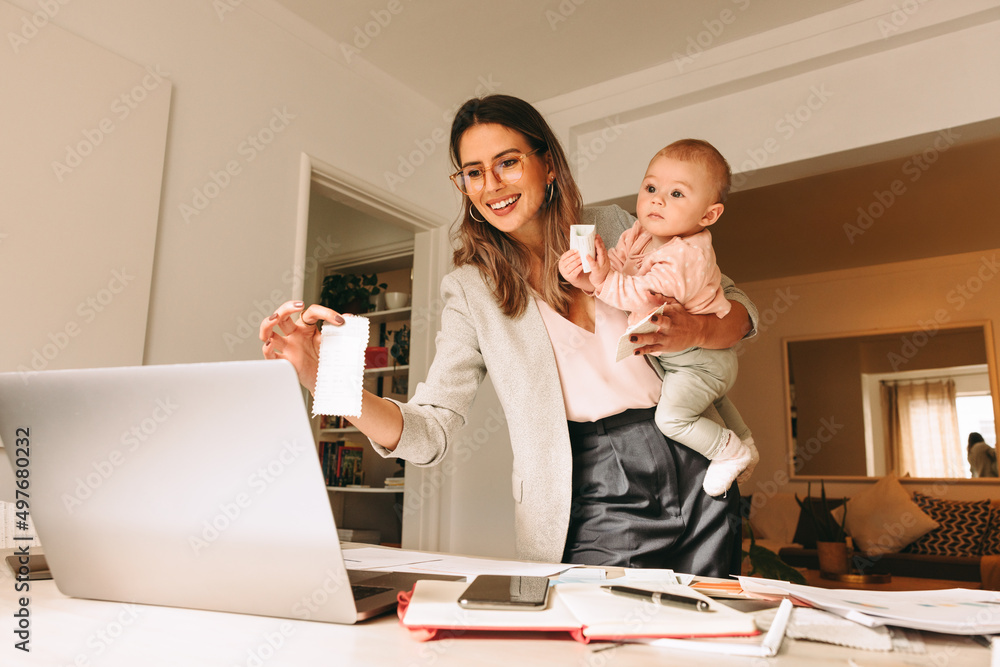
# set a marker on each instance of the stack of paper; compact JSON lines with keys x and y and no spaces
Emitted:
{"x":958,"y":611}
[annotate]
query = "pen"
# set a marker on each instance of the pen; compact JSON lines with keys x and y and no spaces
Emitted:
{"x":661,"y":598}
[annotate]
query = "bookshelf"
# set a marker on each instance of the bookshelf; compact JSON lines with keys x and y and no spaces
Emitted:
{"x":372,"y":506}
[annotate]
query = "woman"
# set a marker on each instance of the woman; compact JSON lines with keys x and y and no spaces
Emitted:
{"x":594,"y":480}
{"x":982,"y":457}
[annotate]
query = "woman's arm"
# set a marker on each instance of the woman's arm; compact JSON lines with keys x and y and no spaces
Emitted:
{"x":679,"y":330}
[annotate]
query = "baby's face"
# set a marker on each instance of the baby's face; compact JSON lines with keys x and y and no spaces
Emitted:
{"x":676,"y":198}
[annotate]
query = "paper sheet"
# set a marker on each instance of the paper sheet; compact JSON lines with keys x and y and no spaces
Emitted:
{"x":956,"y":611}
{"x":474,"y":566}
{"x":372,"y":558}
{"x":821,"y":626}
{"x":767,"y":647}
{"x":402,"y":560}
{"x":625,"y":347}
{"x":582,"y":575}
{"x":652,"y":575}
{"x":605,"y":614}
{"x":341,"y":368}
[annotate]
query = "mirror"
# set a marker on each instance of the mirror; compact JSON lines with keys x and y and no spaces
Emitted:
{"x":864,"y":404}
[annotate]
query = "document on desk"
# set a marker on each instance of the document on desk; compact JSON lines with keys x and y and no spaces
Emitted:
{"x":401,"y":560}
{"x":586,"y":611}
{"x":767,"y":647}
{"x":958,"y":611}
{"x":463,"y":565}
{"x":372,"y":558}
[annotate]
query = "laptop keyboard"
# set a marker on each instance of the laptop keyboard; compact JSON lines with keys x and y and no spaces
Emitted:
{"x":361,"y":592}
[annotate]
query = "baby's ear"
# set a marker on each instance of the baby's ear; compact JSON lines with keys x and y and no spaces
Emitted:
{"x":712,"y":213}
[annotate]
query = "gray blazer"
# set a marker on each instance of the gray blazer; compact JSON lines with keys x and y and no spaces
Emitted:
{"x":475,"y":336}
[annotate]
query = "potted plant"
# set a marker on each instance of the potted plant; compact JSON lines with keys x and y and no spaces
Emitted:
{"x":765,"y":563}
{"x":350,"y":292}
{"x":400,"y":350}
{"x":831,"y":538}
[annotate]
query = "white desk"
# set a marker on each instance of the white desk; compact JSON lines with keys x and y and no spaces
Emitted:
{"x":67,"y":631}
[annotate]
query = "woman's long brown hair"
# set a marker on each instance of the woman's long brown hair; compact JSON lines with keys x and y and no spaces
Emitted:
{"x":504,"y":262}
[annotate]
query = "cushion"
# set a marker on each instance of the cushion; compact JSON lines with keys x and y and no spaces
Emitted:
{"x":883,"y":518}
{"x":964,"y":526}
{"x":774,"y":517}
{"x":991,"y":544}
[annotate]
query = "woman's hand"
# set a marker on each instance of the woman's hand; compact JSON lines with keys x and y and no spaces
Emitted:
{"x":679,"y":330}
{"x":297,"y":341}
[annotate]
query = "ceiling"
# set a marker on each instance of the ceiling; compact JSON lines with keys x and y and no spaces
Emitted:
{"x":444,"y":49}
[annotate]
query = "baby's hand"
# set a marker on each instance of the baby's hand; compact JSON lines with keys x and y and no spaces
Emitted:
{"x":571,"y":268}
{"x":599,"y":267}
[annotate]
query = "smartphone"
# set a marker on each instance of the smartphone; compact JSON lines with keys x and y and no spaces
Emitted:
{"x":500,"y":591}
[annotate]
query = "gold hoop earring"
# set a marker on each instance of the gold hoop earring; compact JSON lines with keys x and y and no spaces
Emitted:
{"x":473,"y":215}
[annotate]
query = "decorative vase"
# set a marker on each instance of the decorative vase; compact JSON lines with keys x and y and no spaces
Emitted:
{"x":394,"y":300}
{"x":832,"y":557}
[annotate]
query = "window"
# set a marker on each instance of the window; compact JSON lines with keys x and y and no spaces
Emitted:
{"x":909,"y":433}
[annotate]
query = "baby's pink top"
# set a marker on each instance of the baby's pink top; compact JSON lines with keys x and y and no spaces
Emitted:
{"x":594,"y":386}
{"x":682,"y":268}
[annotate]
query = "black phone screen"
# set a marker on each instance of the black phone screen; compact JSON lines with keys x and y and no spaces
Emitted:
{"x":496,"y":591}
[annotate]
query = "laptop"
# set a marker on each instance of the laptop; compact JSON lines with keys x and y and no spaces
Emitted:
{"x":192,"y":485}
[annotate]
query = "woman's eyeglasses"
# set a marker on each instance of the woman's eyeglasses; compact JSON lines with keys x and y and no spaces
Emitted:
{"x":508,"y":169}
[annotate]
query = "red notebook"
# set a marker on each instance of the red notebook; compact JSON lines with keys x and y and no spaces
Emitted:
{"x":586,"y":611}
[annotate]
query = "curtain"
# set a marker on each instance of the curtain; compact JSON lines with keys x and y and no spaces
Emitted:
{"x":922,"y":429}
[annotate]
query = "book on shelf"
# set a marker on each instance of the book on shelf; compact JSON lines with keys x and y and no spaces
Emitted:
{"x":328,"y":459}
{"x":341,"y":463}
{"x":586,"y":611}
{"x":349,"y":464}
{"x":328,"y":422}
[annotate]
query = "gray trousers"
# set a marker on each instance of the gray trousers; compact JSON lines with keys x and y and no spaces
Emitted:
{"x":638,"y":501}
{"x":694,"y":380}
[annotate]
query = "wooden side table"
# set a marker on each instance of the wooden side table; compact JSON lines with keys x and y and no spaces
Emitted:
{"x":897,"y":583}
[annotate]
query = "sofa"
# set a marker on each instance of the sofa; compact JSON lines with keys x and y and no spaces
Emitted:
{"x":892,"y":530}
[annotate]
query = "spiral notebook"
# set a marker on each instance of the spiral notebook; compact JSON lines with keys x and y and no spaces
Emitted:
{"x":586,"y":611}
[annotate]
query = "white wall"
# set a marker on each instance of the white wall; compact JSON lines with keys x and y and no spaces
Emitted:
{"x":254,"y":73}
{"x":83,"y":132}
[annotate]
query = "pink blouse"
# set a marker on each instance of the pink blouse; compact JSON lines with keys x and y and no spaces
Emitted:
{"x":594,"y":385}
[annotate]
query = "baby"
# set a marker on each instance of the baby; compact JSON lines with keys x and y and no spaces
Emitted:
{"x":667,"y":255}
